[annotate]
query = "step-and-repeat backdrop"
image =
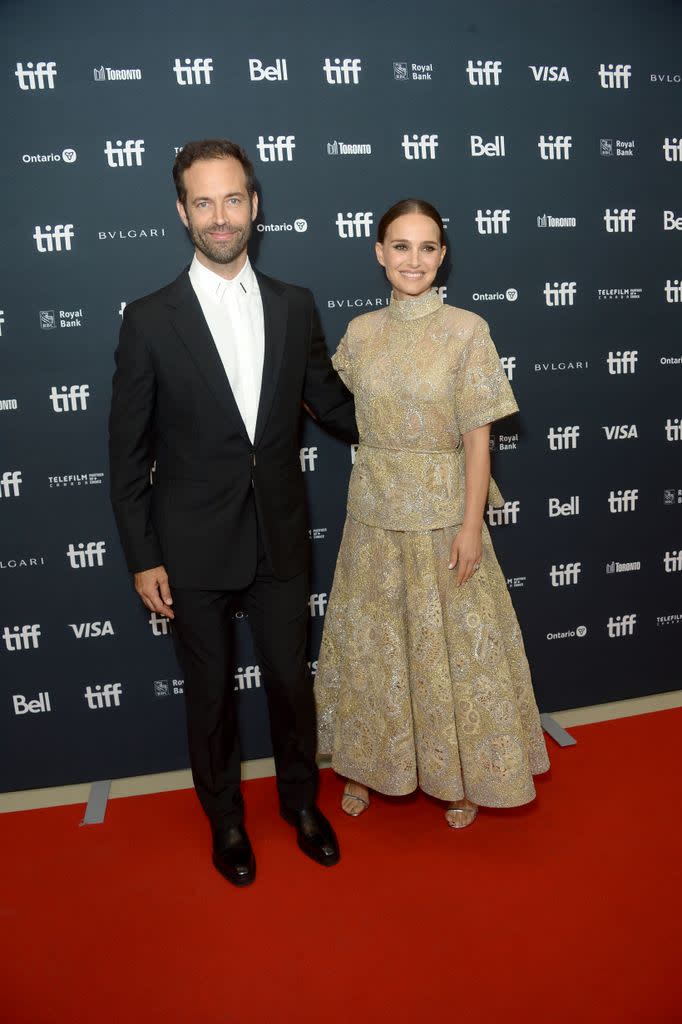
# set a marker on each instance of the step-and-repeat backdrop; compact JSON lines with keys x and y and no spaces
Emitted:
{"x":550,"y":138}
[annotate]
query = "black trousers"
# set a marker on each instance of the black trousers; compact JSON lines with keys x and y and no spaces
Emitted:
{"x":278,"y":616}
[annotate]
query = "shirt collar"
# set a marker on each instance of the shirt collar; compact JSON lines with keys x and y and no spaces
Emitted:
{"x":217,"y":287}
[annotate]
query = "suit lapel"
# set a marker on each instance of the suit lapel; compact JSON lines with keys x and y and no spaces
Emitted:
{"x":189,"y":322}
{"x":275,"y":321}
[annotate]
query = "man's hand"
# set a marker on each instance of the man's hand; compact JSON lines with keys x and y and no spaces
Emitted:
{"x":152,"y":586}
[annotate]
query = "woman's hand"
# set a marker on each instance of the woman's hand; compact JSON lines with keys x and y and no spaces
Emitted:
{"x":465,"y":553}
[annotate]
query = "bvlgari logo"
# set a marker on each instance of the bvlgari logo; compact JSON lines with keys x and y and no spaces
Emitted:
{"x":119,"y":234}
{"x":359,"y":302}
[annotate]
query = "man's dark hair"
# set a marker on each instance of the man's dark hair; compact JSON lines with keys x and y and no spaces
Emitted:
{"x":210,"y":149}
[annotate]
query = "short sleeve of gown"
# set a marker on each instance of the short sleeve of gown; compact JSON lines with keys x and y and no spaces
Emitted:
{"x":483,"y":392}
{"x":341,"y":361}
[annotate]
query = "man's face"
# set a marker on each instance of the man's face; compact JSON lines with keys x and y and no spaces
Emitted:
{"x":218,"y":212}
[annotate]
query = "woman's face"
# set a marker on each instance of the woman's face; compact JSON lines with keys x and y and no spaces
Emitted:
{"x":411,"y":254}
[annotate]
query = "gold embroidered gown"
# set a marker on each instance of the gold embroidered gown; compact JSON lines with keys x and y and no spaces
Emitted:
{"x":420,"y":682}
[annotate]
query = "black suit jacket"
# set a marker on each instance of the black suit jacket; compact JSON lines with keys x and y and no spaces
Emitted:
{"x":172,"y":403}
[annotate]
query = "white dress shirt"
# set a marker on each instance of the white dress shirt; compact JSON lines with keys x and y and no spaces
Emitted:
{"x":234,"y":314}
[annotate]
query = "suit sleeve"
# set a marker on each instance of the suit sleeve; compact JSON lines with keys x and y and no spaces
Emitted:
{"x":131,"y":448}
{"x":323,"y":390}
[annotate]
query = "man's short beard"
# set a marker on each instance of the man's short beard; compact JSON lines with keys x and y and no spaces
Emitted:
{"x":220,"y":252}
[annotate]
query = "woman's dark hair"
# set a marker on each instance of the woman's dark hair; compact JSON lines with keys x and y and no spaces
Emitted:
{"x":210,"y":149}
{"x":404,"y":206}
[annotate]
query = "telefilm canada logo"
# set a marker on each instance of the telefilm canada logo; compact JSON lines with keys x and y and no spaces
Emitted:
{"x":408,"y":71}
{"x":68,"y":480}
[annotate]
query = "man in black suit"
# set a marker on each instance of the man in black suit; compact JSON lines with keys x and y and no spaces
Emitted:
{"x":211,"y":373}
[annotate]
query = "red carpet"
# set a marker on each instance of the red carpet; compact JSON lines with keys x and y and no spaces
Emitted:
{"x":567,"y":910}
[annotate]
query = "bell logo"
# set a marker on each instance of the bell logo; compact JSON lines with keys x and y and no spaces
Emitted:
{"x":672,"y":561}
{"x":555,"y":148}
{"x":566,"y":508}
{"x":615,"y":76}
{"x":622,"y":362}
{"x":160,"y":624}
{"x":248,"y":678}
{"x":318,"y":604}
{"x":193,"y":70}
{"x":565,"y":575}
{"x":107,"y":696}
{"x":617,"y":221}
{"x":70,"y":399}
{"x":623,"y":501}
{"x":86,"y":630}
{"x":124,"y":154}
{"x":492,"y":222}
{"x":308,"y":457}
{"x":621,"y":625}
{"x":420,"y":147}
{"x":484,"y":73}
{"x":671,"y":222}
{"x":10,"y":483}
{"x":276,"y":72}
{"x":276,"y":149}
{"x":39,"y":77}
{"x":86,"y":556}
{"x":673,"y":291}
{"x":561,"y":438}
{"x":354,"y":225}
{"x":481,"y":148}
{"x":672,"y":150}
{"x":673,"y":429}
{"x":508,"y":365}
{"x":21,"y":638}
{"x":49,"y":239}
{"x":342,"y":72}
{"x":505,"y":515}
{"x":24,"y":707}
{"x":561,"y":293}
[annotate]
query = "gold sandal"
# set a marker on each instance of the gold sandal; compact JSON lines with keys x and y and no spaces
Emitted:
{"x":353,"y":796}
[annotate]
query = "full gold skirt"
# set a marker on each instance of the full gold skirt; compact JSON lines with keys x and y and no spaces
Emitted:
{"x":421,"y":683}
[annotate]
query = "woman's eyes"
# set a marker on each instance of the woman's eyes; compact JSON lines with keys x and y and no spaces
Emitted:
{"x":400,"y":247}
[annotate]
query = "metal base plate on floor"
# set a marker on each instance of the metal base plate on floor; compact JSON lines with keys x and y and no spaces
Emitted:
{"x":553,"y":729}
{"x":97,"y":803}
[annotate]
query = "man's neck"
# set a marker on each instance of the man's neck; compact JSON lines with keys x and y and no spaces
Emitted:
{"x":228,"y":271}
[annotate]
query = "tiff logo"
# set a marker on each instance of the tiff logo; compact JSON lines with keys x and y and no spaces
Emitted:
{"x":342,"y":72}
{"x":673,"y":291}
{"x":623,"y":501}
{"x":561,"y":438}
{"x":565,"y":575}
{"x":673,"y":429}
{"x":276,"y":72}
{"x":615,"y":76}
{"x":318,"y":604}
{"x":621,"y":625}
{"x":508,"y":365}
{"x":70,"y":399}
{"x":21,"y":638}
{"x":124,"y":154}
{"x":484,"y":73}
{"x":280,"y":148}
{"x":247,"y":677}
{"x":103,"y":696}
{"x":672,"y":150}
{"x":354,"y":225}
{"x":49,"y":239}
{"x":10,"y":483}
{"x":561,"y":293}
{"x":86,"y":555}
{"x":160,"y":624}
{"x":39,"y":77}
{"x":508,"y":513}
{"x":622,"y":362}
{"x":555,"y":148}
{"x":308,"y":458}
{"x":481,"y":148}
{"x":619,"y":220}
{"x":672,"y":561}
{"x":492,"y":222}
{"x":193,"y":70}
{"x":420,"y":147}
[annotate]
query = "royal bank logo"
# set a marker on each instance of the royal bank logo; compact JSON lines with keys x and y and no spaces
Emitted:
{"x":549,"y":73}
{"x":308,"y":458}
{"x":10,"y":483}
{"x":124,"y":154}
{"x":317,"y":604}
{"x":620,"y":431}
{"x":565,"y":575}
{"x":622,"y":362}
{"x":70,"y":398}
{"x":337,"y":148}
{"x":53,"y":239}
{"x":562,"y":438}
{"x":548,"y":220}
{"x":559,"y":507}
{"x":673,"y":429}
{"x":260,"y":72}
{"x":406,"y":71}
{"x":107,"y":696}
{"x":496,"y":147}
{"x":342,"y":71}
{"x":276,"y":149}
{"x":492,"y":222}
{"x":672,"y":561}
{"x":623,"y":500}
{"x":41,"y":75}
{"x":504,"y":442}
{"x":159,"y":624}
{"x":480,"y":72}
{"x":168,"y":687}
{"x":88,"y":555}
{"x":672,"y":150}
{"x":616,"y":147}
{"x":621,"y":625}
{"x":105,"y":74}
{"x":560,"y":293}
{"x":248,"y":677}
{"x":67,"y":156}
{"x":354,"y":225}
{"x":419,"y":147}
{"x":193,"y":70}
{"x":22,"y":638}
{"x":509,"y":295}
{"x":506,"y":515}
{"x":619,"y":221}
{"x":614,"y":76}
{"x":673,"y":290}
{"x":671,"y":496}
{"x":67,"y":318}
{"x":555,"y":147}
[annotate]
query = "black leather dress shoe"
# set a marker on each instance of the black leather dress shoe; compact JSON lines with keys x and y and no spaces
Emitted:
{"x":233,"y":856}
{"x":314,"y":834}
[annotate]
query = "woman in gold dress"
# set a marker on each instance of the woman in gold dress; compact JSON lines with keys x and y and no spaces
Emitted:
{"x":422,"y":678}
